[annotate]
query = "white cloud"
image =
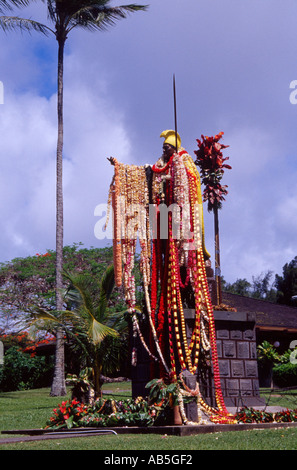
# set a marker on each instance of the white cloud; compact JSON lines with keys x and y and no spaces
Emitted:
{"x":93,"y":131}
{"x":118,"y":98}
{"x":258,"y":219}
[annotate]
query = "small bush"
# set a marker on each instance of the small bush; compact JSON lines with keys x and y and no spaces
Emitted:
{"x":285,"y":375}
{"x":22,"y":372}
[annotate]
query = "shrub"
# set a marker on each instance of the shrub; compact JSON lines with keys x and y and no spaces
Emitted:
{"x":285,"y":375}
{"x":21,"y":372}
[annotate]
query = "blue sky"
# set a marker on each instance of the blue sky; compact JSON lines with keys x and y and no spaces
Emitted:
{"x":233,"y":60}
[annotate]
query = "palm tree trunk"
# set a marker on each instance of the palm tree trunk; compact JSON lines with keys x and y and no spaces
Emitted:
{"x":217,"y":257}
{"x":97,"y":369}
{"x":59,"y":385}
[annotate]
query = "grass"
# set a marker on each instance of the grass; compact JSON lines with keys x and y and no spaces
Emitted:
{"x":32,"y":408}
{"x":275,"y":439}
{"x":284,"y":397}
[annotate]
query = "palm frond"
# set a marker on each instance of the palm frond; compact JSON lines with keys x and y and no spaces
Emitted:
{"x":79,"y":292}
{"x":95,"y":16}
{"x":8,"y":23}
{"x":41,"y":320}
{"x":107,"y":281}
{"x":98,"y":331}
{"x":41,"y":314}
{"x":11,"y":4}
{"x":106,"y":288}
{"x":51,"y":10}
{"x":90,"y":312}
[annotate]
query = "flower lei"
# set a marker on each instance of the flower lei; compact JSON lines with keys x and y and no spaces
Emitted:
{"x":160,"y":267}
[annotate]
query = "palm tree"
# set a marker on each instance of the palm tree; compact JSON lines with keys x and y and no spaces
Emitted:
{"x":65,"y":15}
{"x":98,"y":333}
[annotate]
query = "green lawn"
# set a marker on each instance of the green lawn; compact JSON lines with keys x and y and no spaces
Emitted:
{"x":32,"y":408}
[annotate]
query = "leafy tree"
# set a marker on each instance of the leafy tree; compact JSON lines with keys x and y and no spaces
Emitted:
{"x":286,"y":284}
{"x":240,"y":287}
{"x":260,"y":288}
{"x":27,"y":282}
{"x":66,"y":15}
{"x":261,"y":285}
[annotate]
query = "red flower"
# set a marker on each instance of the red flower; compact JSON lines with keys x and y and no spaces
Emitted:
{"x":211,"y":162}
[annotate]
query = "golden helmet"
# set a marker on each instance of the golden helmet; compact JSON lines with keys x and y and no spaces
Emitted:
{"x":170,"y":139}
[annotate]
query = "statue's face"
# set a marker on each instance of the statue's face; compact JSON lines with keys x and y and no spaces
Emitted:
{"x":168,"y":150}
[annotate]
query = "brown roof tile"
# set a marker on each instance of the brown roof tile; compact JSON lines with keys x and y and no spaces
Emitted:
{"x":268,"y":314}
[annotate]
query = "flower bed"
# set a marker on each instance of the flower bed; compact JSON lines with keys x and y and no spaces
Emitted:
{"x":103,"y":412}
{"x":138,"y":412}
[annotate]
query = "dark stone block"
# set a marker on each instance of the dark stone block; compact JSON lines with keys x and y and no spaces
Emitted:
{"x":222,"y":334}
{"x":224,"y":368}
{"x":251,"y":368}
{"x":253,"y":350}
{"x":249,"y":335}
{"x":229,"y":349}
{"x":243,"y":350}
{"x":237,"y":368}
{"x":232,"y":387}
{"x":235,"y":334}
{"x":246,"y":387}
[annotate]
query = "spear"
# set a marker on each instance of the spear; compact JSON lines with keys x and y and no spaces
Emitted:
{"x":175,"y":117}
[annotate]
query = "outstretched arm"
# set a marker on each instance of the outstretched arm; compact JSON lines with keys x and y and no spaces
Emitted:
{"x":112,"y":160}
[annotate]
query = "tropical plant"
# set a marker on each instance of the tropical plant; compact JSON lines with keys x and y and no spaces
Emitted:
{"x":82,"y":385}
{"x":267,"y":353}
{"x":267,"y":358}
{"x":67,"y":414}
{"x":163,"y":393}
{"x":65,"y":15}
{"x":98,"y":334}
{"x":285,"y":375}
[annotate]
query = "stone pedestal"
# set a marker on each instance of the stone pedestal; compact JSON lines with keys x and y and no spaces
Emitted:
{"x":237,"y":354}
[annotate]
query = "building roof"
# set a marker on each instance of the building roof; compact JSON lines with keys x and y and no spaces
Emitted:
{"x":268,"y":314}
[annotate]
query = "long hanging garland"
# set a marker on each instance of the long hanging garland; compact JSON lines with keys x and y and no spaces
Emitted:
{"x":161,"y":264}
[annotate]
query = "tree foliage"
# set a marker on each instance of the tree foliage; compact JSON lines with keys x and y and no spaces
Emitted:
{"x":261,"y":287}
{"x":282,"y":290}
{"x":286,"y":284}
{"x":21,"y":371}
{"x":26,"y":283}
